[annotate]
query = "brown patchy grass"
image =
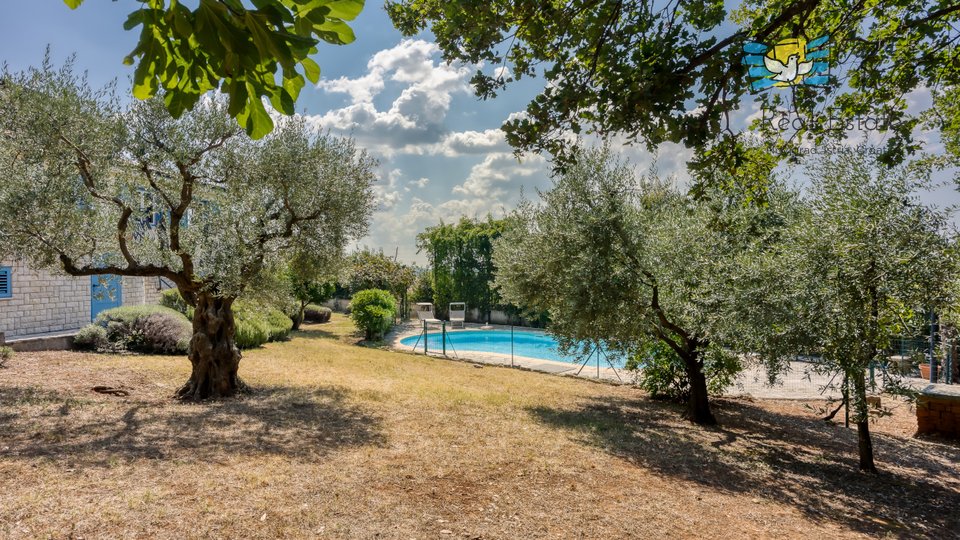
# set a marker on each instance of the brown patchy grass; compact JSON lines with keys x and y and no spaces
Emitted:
{"x":342,"y":441}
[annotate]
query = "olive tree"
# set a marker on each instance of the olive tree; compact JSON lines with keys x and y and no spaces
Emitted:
{"x":630,"y":261}
{"x":865,"y":260}
{"x":97,"y":188}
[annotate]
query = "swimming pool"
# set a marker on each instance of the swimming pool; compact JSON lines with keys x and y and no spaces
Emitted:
{"x":525,"y":343}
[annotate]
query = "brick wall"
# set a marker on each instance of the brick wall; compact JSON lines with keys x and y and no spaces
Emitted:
{"x":939,"y":413}
{"x":51,"y":302}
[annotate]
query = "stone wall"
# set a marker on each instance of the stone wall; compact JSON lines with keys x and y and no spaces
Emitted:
{"x":938,"y":411}
{"x":46,"y":302}
{"x":43,"y":302}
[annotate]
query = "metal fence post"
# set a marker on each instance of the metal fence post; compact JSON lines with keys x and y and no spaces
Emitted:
{"x":846,"y":400}
{"x":443,"y":336}
{"x":948,"y":364}
{"x":425,"y":338}
{"x":511,"y":345}
{"x":933,"y":358}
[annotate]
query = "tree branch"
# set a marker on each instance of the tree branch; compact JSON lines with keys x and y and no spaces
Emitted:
{"x":933,"y":15}
{"x":798,"y":8}
{"x":150,"y":270}
{"x":83,"y":165}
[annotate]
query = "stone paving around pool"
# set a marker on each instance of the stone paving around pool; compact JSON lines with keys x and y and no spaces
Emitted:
{"x":798,"y":383}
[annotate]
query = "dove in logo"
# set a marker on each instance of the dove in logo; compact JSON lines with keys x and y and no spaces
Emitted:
{"x":789,"y":62}
{"x":787,"y":72}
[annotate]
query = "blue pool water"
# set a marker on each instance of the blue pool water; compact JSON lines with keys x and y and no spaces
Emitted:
{"x":525,"y":343}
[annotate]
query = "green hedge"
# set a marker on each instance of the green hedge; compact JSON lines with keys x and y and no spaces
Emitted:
{"x":252,"y":328}
{"x":317,"y":314}
{"x":256,"y":323}
{"x":171,"y":298}
{"x":373,"y":311}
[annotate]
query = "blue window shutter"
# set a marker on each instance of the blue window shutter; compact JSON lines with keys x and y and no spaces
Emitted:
{"x":6,"y":282}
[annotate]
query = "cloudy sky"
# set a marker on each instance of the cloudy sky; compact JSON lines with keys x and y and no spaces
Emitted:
{"x":441,"y":152}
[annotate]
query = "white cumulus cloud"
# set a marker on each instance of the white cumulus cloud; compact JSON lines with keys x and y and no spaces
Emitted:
{"x":416,"y":116}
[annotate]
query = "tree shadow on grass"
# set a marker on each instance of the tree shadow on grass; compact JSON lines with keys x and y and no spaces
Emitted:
{"x":804,"y":462}
{"x":314,"y":332}
{"x":317,"y":332}
{"x":300,"y":423}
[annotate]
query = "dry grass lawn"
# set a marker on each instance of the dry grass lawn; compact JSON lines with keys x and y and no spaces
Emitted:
{"x":341,"y":441}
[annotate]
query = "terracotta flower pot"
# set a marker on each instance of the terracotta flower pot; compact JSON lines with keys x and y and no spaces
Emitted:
{"x":925,"y":371}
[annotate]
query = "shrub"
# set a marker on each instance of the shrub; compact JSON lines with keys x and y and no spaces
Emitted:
{"x":147,"y":329}
{"x":128,"y":314}
{"x":317,"y":314}
{"x":91,"y":337}
{"x":171,"y":298}
{"x":662,"y":372}
{"x":258,"y":324}
{"x":373,"y":310}
{"x":251,"y":330}
{"x":6,"y":353}
{"x":164,"y":334}
{"x":279,"y":323}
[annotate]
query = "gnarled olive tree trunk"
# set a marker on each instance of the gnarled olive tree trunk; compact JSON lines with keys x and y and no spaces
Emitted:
{"x":698,"y":405}
{"x":213,"y":350}
{"x":864,"y":441}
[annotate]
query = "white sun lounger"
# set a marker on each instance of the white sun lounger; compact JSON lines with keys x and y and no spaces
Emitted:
{"x":458,"y":313}
{"x":425,"y":312}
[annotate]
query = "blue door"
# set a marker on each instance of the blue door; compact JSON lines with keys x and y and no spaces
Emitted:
{"x":105,"y":292}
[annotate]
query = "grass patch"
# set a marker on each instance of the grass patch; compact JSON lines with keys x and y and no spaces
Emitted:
{"x":342,"y":441}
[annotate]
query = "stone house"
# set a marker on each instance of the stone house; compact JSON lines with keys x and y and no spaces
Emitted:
{"x":37,"y":306}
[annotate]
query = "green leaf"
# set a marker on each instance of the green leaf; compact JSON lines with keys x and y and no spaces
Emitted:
{"x":230,"y":45}
{"x":311,"y":69}
{"x":144,"y":83}
{"x":136,"y":18}
{"x":345,"y":9}
{"x":283,"y":101}
{"x":144,"y":77}
{"x":178,"y":102}
{"x":263,"y":39}
{"x":336,"y":32}
{"x":258,"y":122}
{"x":238,"y":98}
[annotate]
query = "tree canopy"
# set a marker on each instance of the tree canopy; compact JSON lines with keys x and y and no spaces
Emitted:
{"x":307,"y":279}
{"x":132,"y":191}
{"x":369,"y":269}
{"x":461,"y":260}
{"x":674,"y":71}
{"x":224,"y":45}
{"x":627,"y":261}
{"x":861,"y":267}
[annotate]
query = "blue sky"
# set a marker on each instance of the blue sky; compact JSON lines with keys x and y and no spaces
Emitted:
{"x":440,"y":149}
